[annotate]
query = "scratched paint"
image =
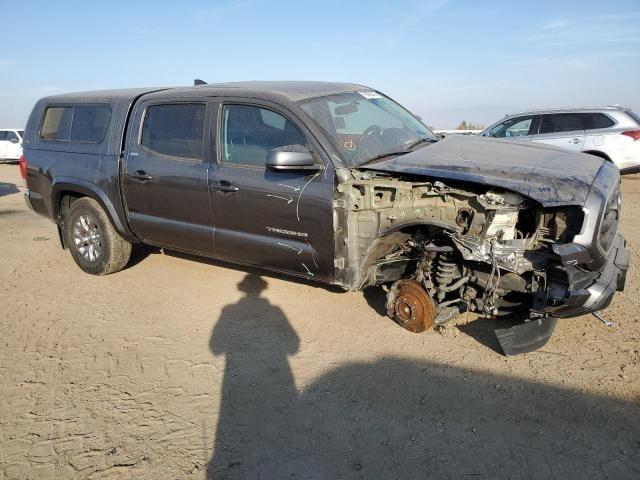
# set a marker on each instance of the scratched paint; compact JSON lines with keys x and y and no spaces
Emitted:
{"x":300,"y":195}
{"x":297,"y":250}
{"x":286,"y":199}
{"x":309,"y":272}
{"x":313,"y":256}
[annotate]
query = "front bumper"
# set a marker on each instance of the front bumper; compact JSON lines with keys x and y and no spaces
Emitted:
{"x":590,"y":291}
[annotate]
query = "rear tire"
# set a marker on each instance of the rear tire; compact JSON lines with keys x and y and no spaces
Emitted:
{"x":94,"y":244}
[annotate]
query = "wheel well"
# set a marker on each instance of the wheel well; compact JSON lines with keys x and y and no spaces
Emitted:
{"x":67,"y":193}
{"x":386,"y":244}
{"x":66,"y":200}
{"x":596,"y":153}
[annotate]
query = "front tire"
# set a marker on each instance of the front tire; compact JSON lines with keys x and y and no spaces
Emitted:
{"x":94,"y":244}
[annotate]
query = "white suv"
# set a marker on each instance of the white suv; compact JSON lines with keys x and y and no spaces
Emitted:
{"x":10,"y":144}
{"x":612,"y":133}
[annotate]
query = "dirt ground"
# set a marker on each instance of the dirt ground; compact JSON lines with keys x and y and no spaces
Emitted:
{"x":177,"y":367}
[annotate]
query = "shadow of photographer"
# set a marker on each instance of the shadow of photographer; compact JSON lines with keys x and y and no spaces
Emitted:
{"x":400,"y":418}
{"x":258,"y":388}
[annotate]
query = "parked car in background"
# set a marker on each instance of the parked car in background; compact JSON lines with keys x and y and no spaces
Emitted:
{"x":444,"y":133}
{"x":10,"y":144}
{"x":612,"y":133}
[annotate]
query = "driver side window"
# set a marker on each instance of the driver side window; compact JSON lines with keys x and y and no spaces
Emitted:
{"x":249,"y":132}
{"x":514,"y":127}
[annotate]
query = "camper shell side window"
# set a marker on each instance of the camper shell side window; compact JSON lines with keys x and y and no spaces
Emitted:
{"x":75,"y":123}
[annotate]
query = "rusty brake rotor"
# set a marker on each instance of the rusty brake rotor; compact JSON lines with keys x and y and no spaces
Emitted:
{"x":412,"y":307}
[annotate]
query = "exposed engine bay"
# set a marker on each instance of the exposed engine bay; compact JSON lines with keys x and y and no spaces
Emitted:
{"x":443,"y":249}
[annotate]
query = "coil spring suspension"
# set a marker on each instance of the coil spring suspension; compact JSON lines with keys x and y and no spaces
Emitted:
{"x":445,"y":268}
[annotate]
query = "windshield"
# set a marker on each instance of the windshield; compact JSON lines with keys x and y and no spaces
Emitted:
{"x":366,"y":125}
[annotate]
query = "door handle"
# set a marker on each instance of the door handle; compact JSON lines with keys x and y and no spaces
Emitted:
{"x":140,"y":176}
{"x":574,"y":141}
{"x":223,"y":186}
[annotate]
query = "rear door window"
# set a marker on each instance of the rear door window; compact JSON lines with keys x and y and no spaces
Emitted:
{"x":78,"y":123}
{"x":175,"y":130}
{"x":561,"y":122}
{"x":595,"y":120}
{"x":3,"y":135}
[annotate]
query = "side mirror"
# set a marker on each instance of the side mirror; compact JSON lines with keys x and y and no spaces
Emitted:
{"x":14,"y":140}
{"x":291,"y":158}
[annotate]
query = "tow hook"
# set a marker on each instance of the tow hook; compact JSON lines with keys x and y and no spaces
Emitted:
{"x":599,"y":316}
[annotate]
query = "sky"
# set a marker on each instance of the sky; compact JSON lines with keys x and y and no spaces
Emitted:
{"x":445,"y":60}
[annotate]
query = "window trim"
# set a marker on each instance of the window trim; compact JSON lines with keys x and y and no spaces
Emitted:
{"x":73,"y":105}
{"x":536,"y":124}
{"x":219,"y":120}
{"x":203,"y":156}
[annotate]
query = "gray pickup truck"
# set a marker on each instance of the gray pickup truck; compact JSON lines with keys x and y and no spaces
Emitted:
{"x":335,"y":183}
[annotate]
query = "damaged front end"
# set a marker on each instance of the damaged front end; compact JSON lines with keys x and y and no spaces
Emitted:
{"x":444,"y":249}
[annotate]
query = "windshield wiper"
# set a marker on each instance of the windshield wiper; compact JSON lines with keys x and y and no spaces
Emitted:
{"x":383,"y":156}
{"x":399,"y":152}
{"x":420,"y":141}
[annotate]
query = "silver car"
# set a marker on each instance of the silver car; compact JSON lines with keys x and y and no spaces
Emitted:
{"x":612,"y":133}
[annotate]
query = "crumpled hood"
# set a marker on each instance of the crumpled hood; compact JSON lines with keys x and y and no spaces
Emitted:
{"x":551,"y":176}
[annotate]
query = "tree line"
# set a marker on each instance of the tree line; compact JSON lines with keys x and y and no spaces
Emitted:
{"x":469,"y":126}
